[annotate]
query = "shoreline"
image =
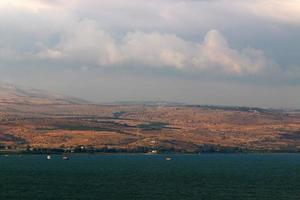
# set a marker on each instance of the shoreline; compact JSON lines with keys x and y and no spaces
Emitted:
{"x":2,"y":153}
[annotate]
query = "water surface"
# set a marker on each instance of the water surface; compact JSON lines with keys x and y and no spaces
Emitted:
{"x":129,"y":177}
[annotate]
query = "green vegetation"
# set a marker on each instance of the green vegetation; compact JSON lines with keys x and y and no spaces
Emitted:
{"x":118,"y":114}
{"x":79,"y":127}
{"x":153,"y":126}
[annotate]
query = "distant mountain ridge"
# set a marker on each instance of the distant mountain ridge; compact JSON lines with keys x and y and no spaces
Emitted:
{"x":11,"y":94}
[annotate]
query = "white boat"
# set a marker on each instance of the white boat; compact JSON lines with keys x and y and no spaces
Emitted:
{"x":48,"y":157}
{"x":168,"y":158}
{"x":65,"y":158}
{"x":153,"y":152}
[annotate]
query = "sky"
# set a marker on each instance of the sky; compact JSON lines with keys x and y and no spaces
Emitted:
{"x":215,"y":52}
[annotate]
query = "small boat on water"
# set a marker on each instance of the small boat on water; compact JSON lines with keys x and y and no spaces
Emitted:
{"x":153,"y":152}
{"x":48,"y":157}
{"x":65,"y":158}
{"x":168,"y":158}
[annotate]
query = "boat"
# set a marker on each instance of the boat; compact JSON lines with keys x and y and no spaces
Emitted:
{"x":65,"y":158}
{"x":168,"y":158}
{"x":48,"y":157}
{"x":153,"y":152}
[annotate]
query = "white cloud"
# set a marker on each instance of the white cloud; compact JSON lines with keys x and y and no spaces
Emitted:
{"x":88,"y":44}
{"x":85,"y":43}
{"x":34,"y":6}
{"x":155,"y":49}
{"x":215,"y":53}
{"x":86,"y":33}
{"x":282,"y":11}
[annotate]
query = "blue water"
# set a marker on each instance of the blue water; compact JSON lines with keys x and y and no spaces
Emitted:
{"x":122,"y":177}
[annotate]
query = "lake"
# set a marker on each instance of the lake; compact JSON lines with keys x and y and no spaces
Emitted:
{"x":138,"y":176}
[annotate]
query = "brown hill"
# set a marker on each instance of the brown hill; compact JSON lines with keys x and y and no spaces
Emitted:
{"x":39,"y":121}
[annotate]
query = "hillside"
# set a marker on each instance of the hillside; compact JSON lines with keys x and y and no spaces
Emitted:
{"x":10,"y":94}
{"x":35,"y":121}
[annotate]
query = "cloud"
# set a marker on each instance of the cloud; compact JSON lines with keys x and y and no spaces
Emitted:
{"x":34,"y":6}
{"x":201,"y":51}
{"x":155,"y":50}
{"x":277,"y":10}
{"x":186,"y":36}
{"x":85,"y":43}
{"x":215,"y":53}
{"x":88,"y":44}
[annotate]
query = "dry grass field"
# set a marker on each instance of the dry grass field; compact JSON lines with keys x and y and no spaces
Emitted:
{"x":33,"y":122}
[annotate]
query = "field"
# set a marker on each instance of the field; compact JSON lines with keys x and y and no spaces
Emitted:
{"x":143,"y":128}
